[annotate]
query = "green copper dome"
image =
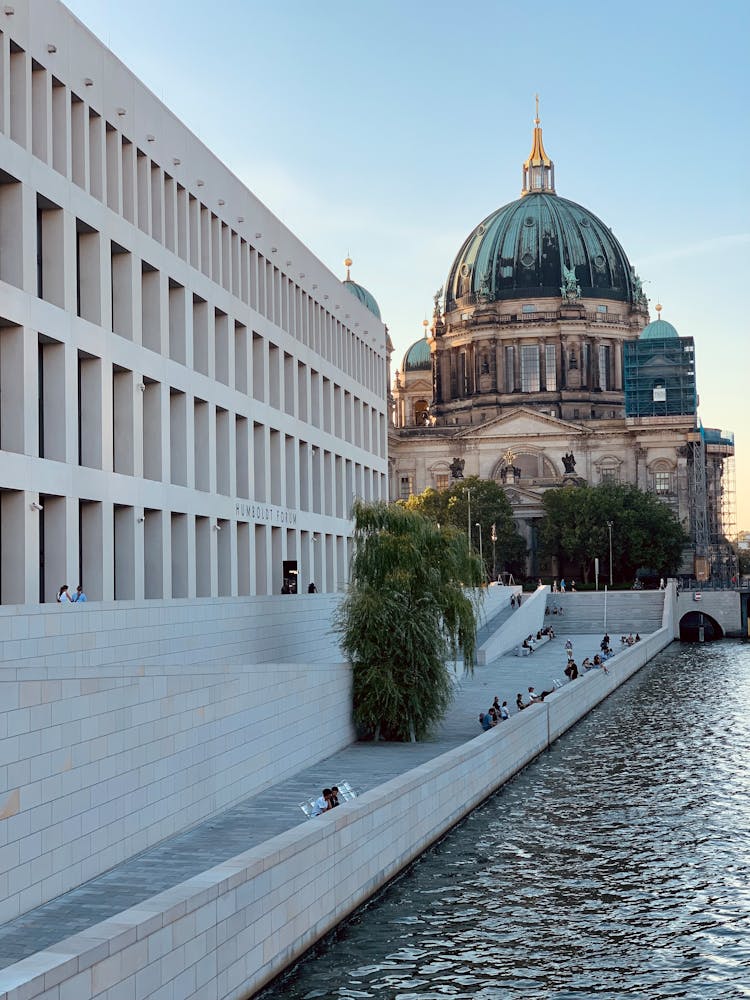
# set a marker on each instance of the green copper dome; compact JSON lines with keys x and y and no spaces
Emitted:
{"x":366,"y":298}
{"x":658,"y":330}
{"x":519,"y":252}
{"x":359,"y":291}
{"x":418,"y":357}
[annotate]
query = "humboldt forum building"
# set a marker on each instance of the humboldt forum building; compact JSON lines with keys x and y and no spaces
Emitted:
{"x":189,"y":398}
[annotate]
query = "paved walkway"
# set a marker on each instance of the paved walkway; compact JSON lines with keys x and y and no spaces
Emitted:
{"x":260,"y":817}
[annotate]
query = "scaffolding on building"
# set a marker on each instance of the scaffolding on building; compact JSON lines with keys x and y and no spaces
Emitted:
{"x":721,"y":495}
{"x":659,"y":377}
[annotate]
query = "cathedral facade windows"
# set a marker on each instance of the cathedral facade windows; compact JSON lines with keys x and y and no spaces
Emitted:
{"x":509,"y":366}
{"x":530,"y":368}
{"x":550,"y":368}
{"x":405,"y":485}
{"x":604,"y":369}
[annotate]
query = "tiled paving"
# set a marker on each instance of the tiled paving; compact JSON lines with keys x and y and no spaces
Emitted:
{"x":262,"y":816}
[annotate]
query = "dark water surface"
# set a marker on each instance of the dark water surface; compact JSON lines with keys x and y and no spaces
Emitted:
{"x":617,"y":865}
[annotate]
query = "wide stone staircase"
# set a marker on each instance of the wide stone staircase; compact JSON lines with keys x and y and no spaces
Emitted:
{"x":627,"y":611}
{"x":493,"y":624}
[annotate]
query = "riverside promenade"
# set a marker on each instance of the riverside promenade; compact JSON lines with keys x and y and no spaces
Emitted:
{"x":220,"y":909}
{"x":261,"y":817}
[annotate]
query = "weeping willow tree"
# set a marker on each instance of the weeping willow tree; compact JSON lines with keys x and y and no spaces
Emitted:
{"x":406,"y":611}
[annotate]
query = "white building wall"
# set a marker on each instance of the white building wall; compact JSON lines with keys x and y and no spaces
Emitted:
{"x":166,"y":347}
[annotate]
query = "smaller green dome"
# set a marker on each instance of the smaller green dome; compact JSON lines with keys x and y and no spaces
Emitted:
{"x":418,"y":358}
{"x":658,"y":330}
{"x":366,"y":298}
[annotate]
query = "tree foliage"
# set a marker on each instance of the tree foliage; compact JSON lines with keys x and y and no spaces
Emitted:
{"x":406,"y":609}
{"x":489,"y":505}
{"x":645,"y":533}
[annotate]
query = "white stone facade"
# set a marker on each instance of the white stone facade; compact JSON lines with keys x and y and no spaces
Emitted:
{"x":189,"y":398}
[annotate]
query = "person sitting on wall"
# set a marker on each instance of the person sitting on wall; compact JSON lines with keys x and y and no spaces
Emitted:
{"x":63,"y":595}
{"x":519,"y":702}
{"x":599,"y":664}
{"x":323,"y":803}
{"x":571,"y":670}
{"x":504,"y":714}
{"x":79,"y":597}
{"x":334,"y":800}
{"x":534,"y":697}
{"x":605,"y":642}
{"x":488,"y":719}
{"x":637,"y":637}
{"x":311,"y":588}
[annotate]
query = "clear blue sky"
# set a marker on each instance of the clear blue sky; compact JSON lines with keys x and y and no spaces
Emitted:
{"x":390,"y":129}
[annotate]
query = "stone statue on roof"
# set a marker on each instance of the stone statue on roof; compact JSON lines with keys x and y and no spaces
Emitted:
{"x":457,"y":468}
{"x":569,"y":462}
{"x":570,"y":289}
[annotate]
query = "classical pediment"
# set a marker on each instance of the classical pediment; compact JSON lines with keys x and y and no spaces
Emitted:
{"x":522,"y":422}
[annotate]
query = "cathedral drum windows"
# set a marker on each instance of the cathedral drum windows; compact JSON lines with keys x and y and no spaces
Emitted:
{"x":530,"y":368}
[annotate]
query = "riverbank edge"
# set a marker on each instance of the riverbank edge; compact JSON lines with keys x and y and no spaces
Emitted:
{"x":232,"y":929}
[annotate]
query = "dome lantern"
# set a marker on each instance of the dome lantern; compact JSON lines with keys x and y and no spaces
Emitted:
{"x":538,"y":168}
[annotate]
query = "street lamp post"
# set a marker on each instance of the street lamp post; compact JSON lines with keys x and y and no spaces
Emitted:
{"x":609,"y":528}
{"x":481,"y":558}
{"x":493,"y":536}
{"x":468,"y":515}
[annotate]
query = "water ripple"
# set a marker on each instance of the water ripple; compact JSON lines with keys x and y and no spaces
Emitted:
{"x":616,"y":866}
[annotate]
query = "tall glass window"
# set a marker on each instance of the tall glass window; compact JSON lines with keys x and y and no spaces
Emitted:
{"x":509,"y":364}
{"x":550,"y":370}
{"x":603,"y":367}
{"x":585,"y":364}
{"x":530,"y":368}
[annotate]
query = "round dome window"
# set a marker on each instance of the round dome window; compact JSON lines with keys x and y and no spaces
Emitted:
{"x":465,"y":270}
{"x":527,"y":260}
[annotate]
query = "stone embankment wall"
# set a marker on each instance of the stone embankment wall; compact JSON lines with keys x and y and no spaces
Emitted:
{"x":227,"y":630}
{"x":228,"y":931}
{"x":98,"y":764}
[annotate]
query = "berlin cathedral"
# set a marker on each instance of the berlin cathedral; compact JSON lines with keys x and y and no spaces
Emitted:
{"x":542,"y":370}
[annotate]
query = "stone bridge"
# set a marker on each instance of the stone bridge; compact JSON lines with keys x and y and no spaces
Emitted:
{"x":718,"y":612}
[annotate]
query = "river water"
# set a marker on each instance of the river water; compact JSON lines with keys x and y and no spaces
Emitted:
{"x":616,"y":865}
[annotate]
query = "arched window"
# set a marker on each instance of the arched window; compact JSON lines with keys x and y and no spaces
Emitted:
{"x":421,"y":412}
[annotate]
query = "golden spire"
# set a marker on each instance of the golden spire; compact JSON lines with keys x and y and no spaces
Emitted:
{"x":538,"y":168}
{"x":347,"y":265}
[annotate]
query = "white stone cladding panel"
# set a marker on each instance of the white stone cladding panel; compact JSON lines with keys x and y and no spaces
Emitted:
{"x":227,"y":932}
{"x":295,"y":628}
{"x":101,"y":763}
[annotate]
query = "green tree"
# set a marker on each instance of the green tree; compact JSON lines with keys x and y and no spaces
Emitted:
{"x":486,"y":505}
{"x":645,"y":533}
{"x":407,"y":607}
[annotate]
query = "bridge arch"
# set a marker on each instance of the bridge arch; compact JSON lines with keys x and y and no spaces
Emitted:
{"x":693,"y":621}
